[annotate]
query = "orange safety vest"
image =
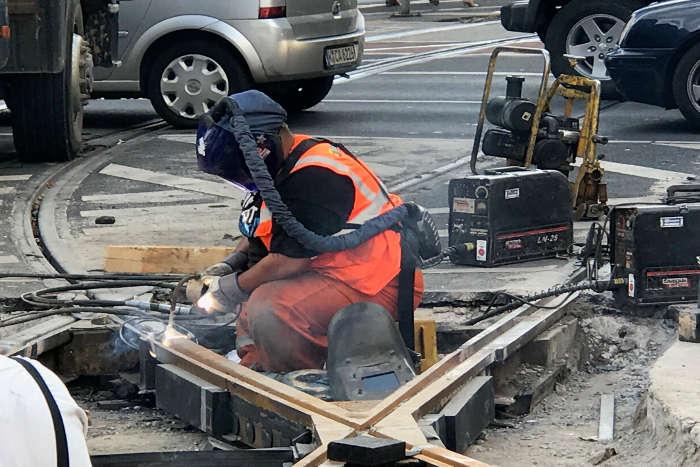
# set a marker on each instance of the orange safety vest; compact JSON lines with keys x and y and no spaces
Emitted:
{"x":369,"y":267}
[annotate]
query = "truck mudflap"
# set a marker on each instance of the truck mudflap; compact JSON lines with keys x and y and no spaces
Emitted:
{"x":37,"y":39}
{"x":38,"y":31}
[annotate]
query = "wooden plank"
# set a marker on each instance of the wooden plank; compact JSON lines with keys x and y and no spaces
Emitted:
{"x":440,"y":390}
{"x":606,"y":427}
{"x":440,"y":369}
{"x":434,"y":455}
{"x":218,"y":370}
{"x":162,"y":259}
{"x":425,"y":332}
{"x":358,"y":409}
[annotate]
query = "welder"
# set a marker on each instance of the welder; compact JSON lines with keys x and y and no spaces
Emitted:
{"x":289,"y":293}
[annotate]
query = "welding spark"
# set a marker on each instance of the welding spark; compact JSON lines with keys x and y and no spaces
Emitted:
{"x":170,"y":335}
{"x":206,"y":302}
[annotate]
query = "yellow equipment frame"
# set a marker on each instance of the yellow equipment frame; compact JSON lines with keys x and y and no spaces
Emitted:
{"x":588,"y":192}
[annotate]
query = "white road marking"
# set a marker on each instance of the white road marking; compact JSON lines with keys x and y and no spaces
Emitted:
{"x":439,"y":210}
{"x":7,"y":190}
{"x":454,"y":27}
{"x":397,"y":54}
{"x":459,"y":73}
{"x":179,"y":138}
{"x":8,"y":259}
{"x":173,"y":181}
{"x":611,"y":202}
{"x":14,"y":178}
{"x":423,"y":46}
{"x":151,"y":213}
{"x":644,"y":172}
{"x":396,"y":101}
{"x":144,"y":197}
{"x":3,"y":106}
{"x":424,"y":57}
{"x":682,"y":145}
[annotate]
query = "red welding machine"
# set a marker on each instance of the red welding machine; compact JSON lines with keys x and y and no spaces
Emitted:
{"x":656,"y":247}
{"x":510,"y":215}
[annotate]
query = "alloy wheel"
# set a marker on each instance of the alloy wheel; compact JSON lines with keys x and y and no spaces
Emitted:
{"x":592,"y":37}
{"x":192,"y":84}
{"x":693,"y":85}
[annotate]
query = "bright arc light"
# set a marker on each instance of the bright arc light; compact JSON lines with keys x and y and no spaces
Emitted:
{"x":170,"y":335}
{"x":206,"y":302}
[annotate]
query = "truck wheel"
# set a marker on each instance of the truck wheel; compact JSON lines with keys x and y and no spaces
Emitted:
{"x":190,"y":77}
{"x":303,"y":94}
{"x":588,"y":28}
{"x":47,"y":111}
{"x":686,"y":85}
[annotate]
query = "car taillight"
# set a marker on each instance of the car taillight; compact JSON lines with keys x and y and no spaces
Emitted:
{"x":272,"y":9}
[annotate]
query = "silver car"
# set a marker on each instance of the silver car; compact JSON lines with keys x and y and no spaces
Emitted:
{"x":185,"y":55}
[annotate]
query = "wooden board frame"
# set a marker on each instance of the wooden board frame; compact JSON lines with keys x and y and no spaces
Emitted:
{"x":394,"y":417}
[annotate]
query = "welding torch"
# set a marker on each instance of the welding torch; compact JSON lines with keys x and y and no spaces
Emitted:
{"x":159,"y":307}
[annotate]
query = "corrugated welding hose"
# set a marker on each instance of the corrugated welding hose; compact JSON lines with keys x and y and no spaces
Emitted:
{"x":281,"y":213}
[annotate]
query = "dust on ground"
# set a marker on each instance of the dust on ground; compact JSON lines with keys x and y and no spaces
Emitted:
{"x":122,"y":425}
{"x":562,"y":430}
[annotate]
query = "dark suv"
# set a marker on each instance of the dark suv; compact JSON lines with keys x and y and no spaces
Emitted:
{"x":587,"y":28}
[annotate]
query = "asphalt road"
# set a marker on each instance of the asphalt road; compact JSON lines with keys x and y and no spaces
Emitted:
{"x":406,"y":112}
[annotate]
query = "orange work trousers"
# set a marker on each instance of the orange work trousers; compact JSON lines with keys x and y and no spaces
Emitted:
{"x":283,"y":325}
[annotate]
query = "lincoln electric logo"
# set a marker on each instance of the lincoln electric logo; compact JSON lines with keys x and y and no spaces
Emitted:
{"x":336,"y":8}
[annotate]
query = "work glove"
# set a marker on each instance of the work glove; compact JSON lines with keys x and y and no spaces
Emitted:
{"x":236,"y":262}
{"x":223,"y":295}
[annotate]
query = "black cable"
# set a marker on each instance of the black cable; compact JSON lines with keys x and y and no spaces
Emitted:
{"x":37,"y":298}
{"x":121,"y":311}
{"x":79,"y":277}
{"x":181,"y":283}
{"x":65,"y":311}
{"x":598,"y":286}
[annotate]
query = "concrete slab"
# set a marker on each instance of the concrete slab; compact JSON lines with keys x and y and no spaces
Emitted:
{"x":672,"y":408}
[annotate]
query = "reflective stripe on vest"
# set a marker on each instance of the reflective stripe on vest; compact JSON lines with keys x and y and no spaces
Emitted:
{"x":377,"y":200}
{"x":369,"y":267}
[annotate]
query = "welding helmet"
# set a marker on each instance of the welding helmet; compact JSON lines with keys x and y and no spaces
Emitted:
{"x":218,"y":152}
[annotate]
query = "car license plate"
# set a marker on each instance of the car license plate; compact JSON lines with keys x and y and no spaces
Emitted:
{"x":343,"y":55}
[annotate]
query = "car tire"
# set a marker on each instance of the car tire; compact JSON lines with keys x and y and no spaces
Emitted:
{"x":47,"y":111}
{"x":301,"y":95}
{"x":568,"y":29}
{"x":181,"y":96}
{"x":686,"y":85}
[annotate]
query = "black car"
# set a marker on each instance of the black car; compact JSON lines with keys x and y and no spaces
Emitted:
{"x":658,"y":61}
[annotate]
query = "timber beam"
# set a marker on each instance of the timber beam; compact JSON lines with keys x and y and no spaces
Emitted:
{"x":396,"y":416}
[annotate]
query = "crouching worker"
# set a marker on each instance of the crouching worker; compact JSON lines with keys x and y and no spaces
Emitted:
{"x":289,"y":293}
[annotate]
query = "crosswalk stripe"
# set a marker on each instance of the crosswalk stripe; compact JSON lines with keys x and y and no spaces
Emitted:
{"x":8,"y":259}
{"x":7,"y":190}
{"x":144,"y":197}
{"x":173,"y":181}
{"x":14,"y":178}
{"x":132,"y":214}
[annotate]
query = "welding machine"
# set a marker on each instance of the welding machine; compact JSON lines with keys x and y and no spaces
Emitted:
{"x":509,"y":215}
{"x":656,"y":247}
{"x":533,"y":133}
